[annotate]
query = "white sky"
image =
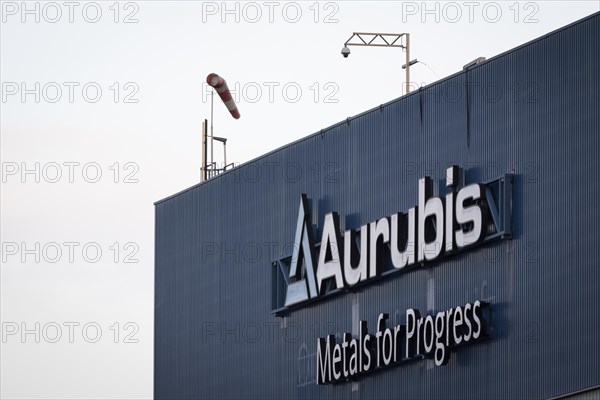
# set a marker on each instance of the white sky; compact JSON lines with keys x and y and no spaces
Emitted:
{"x":162,"y":61}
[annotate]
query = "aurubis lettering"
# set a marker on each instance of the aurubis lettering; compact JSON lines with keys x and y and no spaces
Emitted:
{"x":436,"y":226}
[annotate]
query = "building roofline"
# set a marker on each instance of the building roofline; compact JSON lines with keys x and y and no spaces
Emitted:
{"x":378,"y":108}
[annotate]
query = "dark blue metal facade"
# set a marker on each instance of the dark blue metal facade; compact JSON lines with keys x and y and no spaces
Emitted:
{"x":533,"y":112}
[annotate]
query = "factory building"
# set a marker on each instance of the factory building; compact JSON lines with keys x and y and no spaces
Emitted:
{"x":442,"y":245}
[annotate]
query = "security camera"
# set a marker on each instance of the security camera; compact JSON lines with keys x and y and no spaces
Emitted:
{"x":345,"y":52}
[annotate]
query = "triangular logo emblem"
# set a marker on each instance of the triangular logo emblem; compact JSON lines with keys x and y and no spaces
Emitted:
{"x":302,"y":285}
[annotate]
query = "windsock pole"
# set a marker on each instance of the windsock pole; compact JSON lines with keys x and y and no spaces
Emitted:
{"x":212,"y":146}
{"x":204,"y":171}
{"x":220,"y":86}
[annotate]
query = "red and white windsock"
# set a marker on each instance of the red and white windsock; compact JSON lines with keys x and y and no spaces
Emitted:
{"x":220,"y":86}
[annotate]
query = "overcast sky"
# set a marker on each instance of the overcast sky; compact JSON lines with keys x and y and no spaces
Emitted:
{"x":101,"y":116}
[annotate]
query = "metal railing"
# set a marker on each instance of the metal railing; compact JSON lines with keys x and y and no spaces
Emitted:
{"x":212,"y":169}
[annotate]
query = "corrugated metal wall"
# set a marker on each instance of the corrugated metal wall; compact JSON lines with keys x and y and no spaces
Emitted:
{"x":533,"y":112}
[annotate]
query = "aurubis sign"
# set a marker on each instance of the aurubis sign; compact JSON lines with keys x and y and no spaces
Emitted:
{"x":436,"y":226}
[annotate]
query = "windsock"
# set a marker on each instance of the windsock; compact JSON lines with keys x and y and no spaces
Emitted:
{"x":220,"y":86}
